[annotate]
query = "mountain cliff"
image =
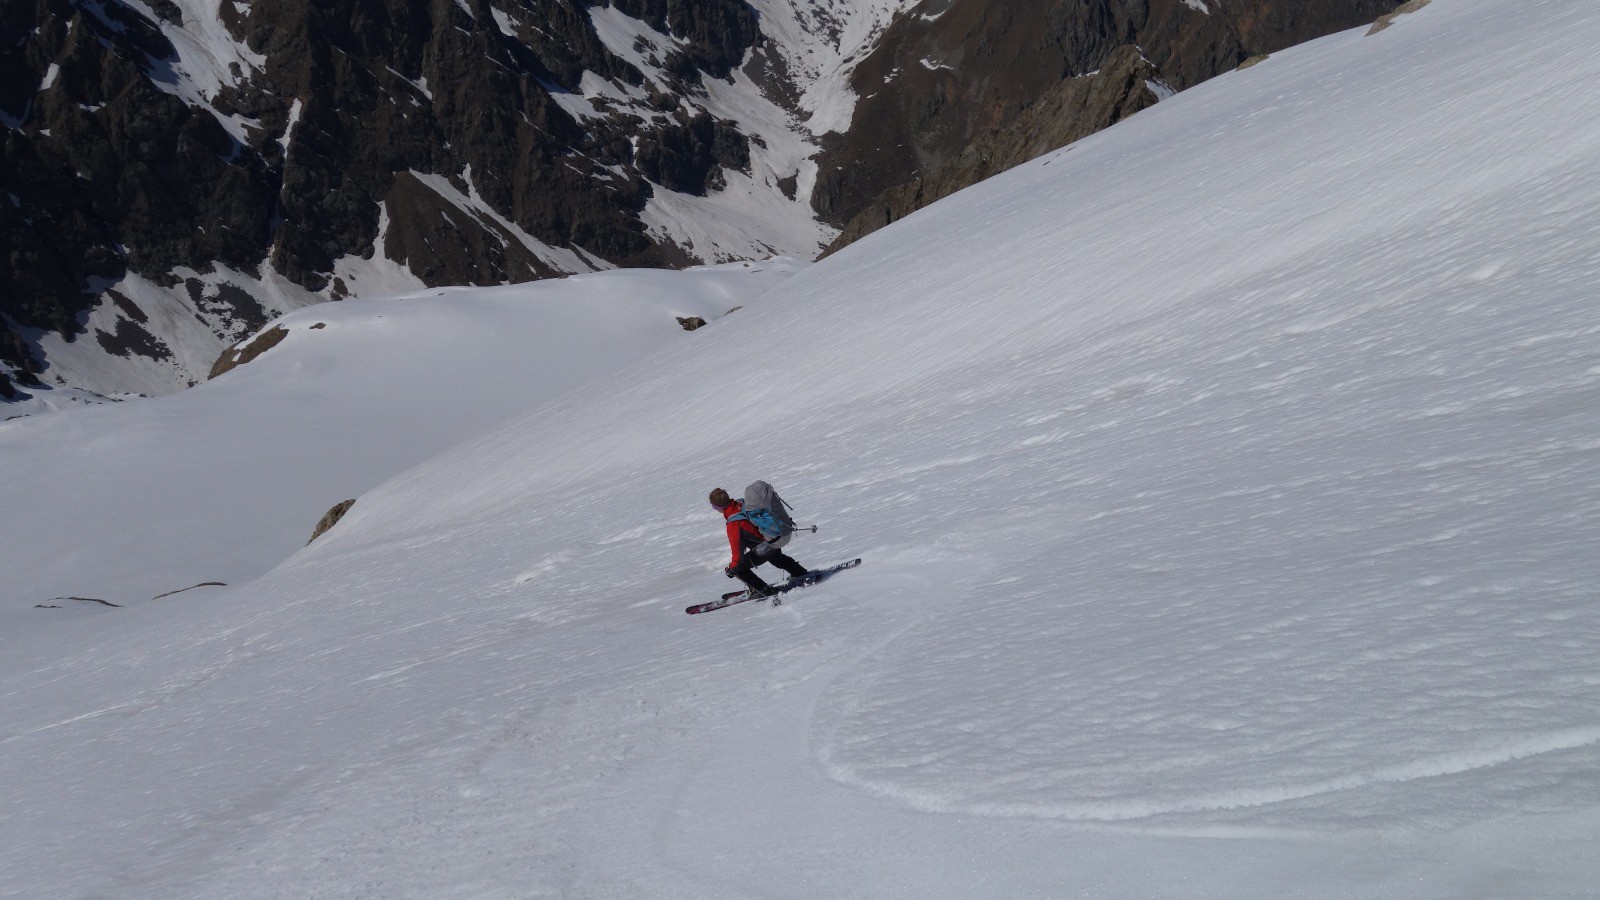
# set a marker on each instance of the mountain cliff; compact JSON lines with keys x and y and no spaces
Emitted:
{"x":174,"y":174}
{"x":969,"y":88}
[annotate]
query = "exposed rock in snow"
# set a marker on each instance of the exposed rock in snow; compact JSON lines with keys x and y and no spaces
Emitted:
{"x":331,"y":518}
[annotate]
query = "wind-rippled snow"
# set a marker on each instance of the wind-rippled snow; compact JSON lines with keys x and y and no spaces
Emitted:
{"x":1226,"y":490}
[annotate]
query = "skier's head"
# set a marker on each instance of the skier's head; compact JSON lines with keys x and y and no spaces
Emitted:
{"x":720,"y":498}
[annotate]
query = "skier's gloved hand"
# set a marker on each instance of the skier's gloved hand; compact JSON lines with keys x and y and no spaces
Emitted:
{"x":728,"y":571}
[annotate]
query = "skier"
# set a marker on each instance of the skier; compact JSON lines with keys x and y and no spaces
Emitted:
{"x":750,"y":549}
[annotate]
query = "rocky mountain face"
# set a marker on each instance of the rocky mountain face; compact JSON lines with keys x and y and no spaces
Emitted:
{"x":183,"y":163}
{"x":1073,"y":108}
{"x":973,"y":87}
{"x":175,"y":173}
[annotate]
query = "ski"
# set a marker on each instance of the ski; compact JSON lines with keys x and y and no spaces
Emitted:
{"x":805,"y":580}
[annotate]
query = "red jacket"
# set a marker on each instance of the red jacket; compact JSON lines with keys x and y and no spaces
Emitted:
{"x":734,"y":528}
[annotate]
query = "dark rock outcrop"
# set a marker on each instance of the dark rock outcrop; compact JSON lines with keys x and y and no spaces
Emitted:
{"x":1410,"y":6}
{"x":241,"y":353}
{"x":966,"y":70}
{"x":1074,"y":108}
{"x":690,"y":155}
{"x":331,"y":518}
{"x":101,"y":171}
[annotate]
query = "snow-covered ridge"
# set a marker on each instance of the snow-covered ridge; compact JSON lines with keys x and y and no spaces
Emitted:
{"x":356,"y":392}
{"x":1226,"y":484}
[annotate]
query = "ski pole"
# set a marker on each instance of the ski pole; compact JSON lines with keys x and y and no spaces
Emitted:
{"x":810,"y":528}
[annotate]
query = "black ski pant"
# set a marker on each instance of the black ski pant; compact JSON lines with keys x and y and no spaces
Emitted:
{"x":753,"y":553}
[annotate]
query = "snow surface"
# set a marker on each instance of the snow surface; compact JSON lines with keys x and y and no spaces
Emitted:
{"x":821,"y":44}
{"x":237,"y":471}
{"x":190,"y":332}
{"x":1226,"y":484}
{"x":209,"y":60}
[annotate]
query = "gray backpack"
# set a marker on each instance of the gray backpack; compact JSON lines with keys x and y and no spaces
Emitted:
{"x":763,"y":508}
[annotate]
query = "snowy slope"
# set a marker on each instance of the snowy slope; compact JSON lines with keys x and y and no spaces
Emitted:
{"x":221,"y":482}
{"x":1227,"y":488}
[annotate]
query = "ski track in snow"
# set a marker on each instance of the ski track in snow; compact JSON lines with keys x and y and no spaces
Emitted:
{"x":1419,"y":689}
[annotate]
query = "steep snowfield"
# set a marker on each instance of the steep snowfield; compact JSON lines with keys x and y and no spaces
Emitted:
{"x":222,"y":482}
{"x":1226,"y":484}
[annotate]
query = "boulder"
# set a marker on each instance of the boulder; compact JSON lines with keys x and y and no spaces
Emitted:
{"x":331,"y":518}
